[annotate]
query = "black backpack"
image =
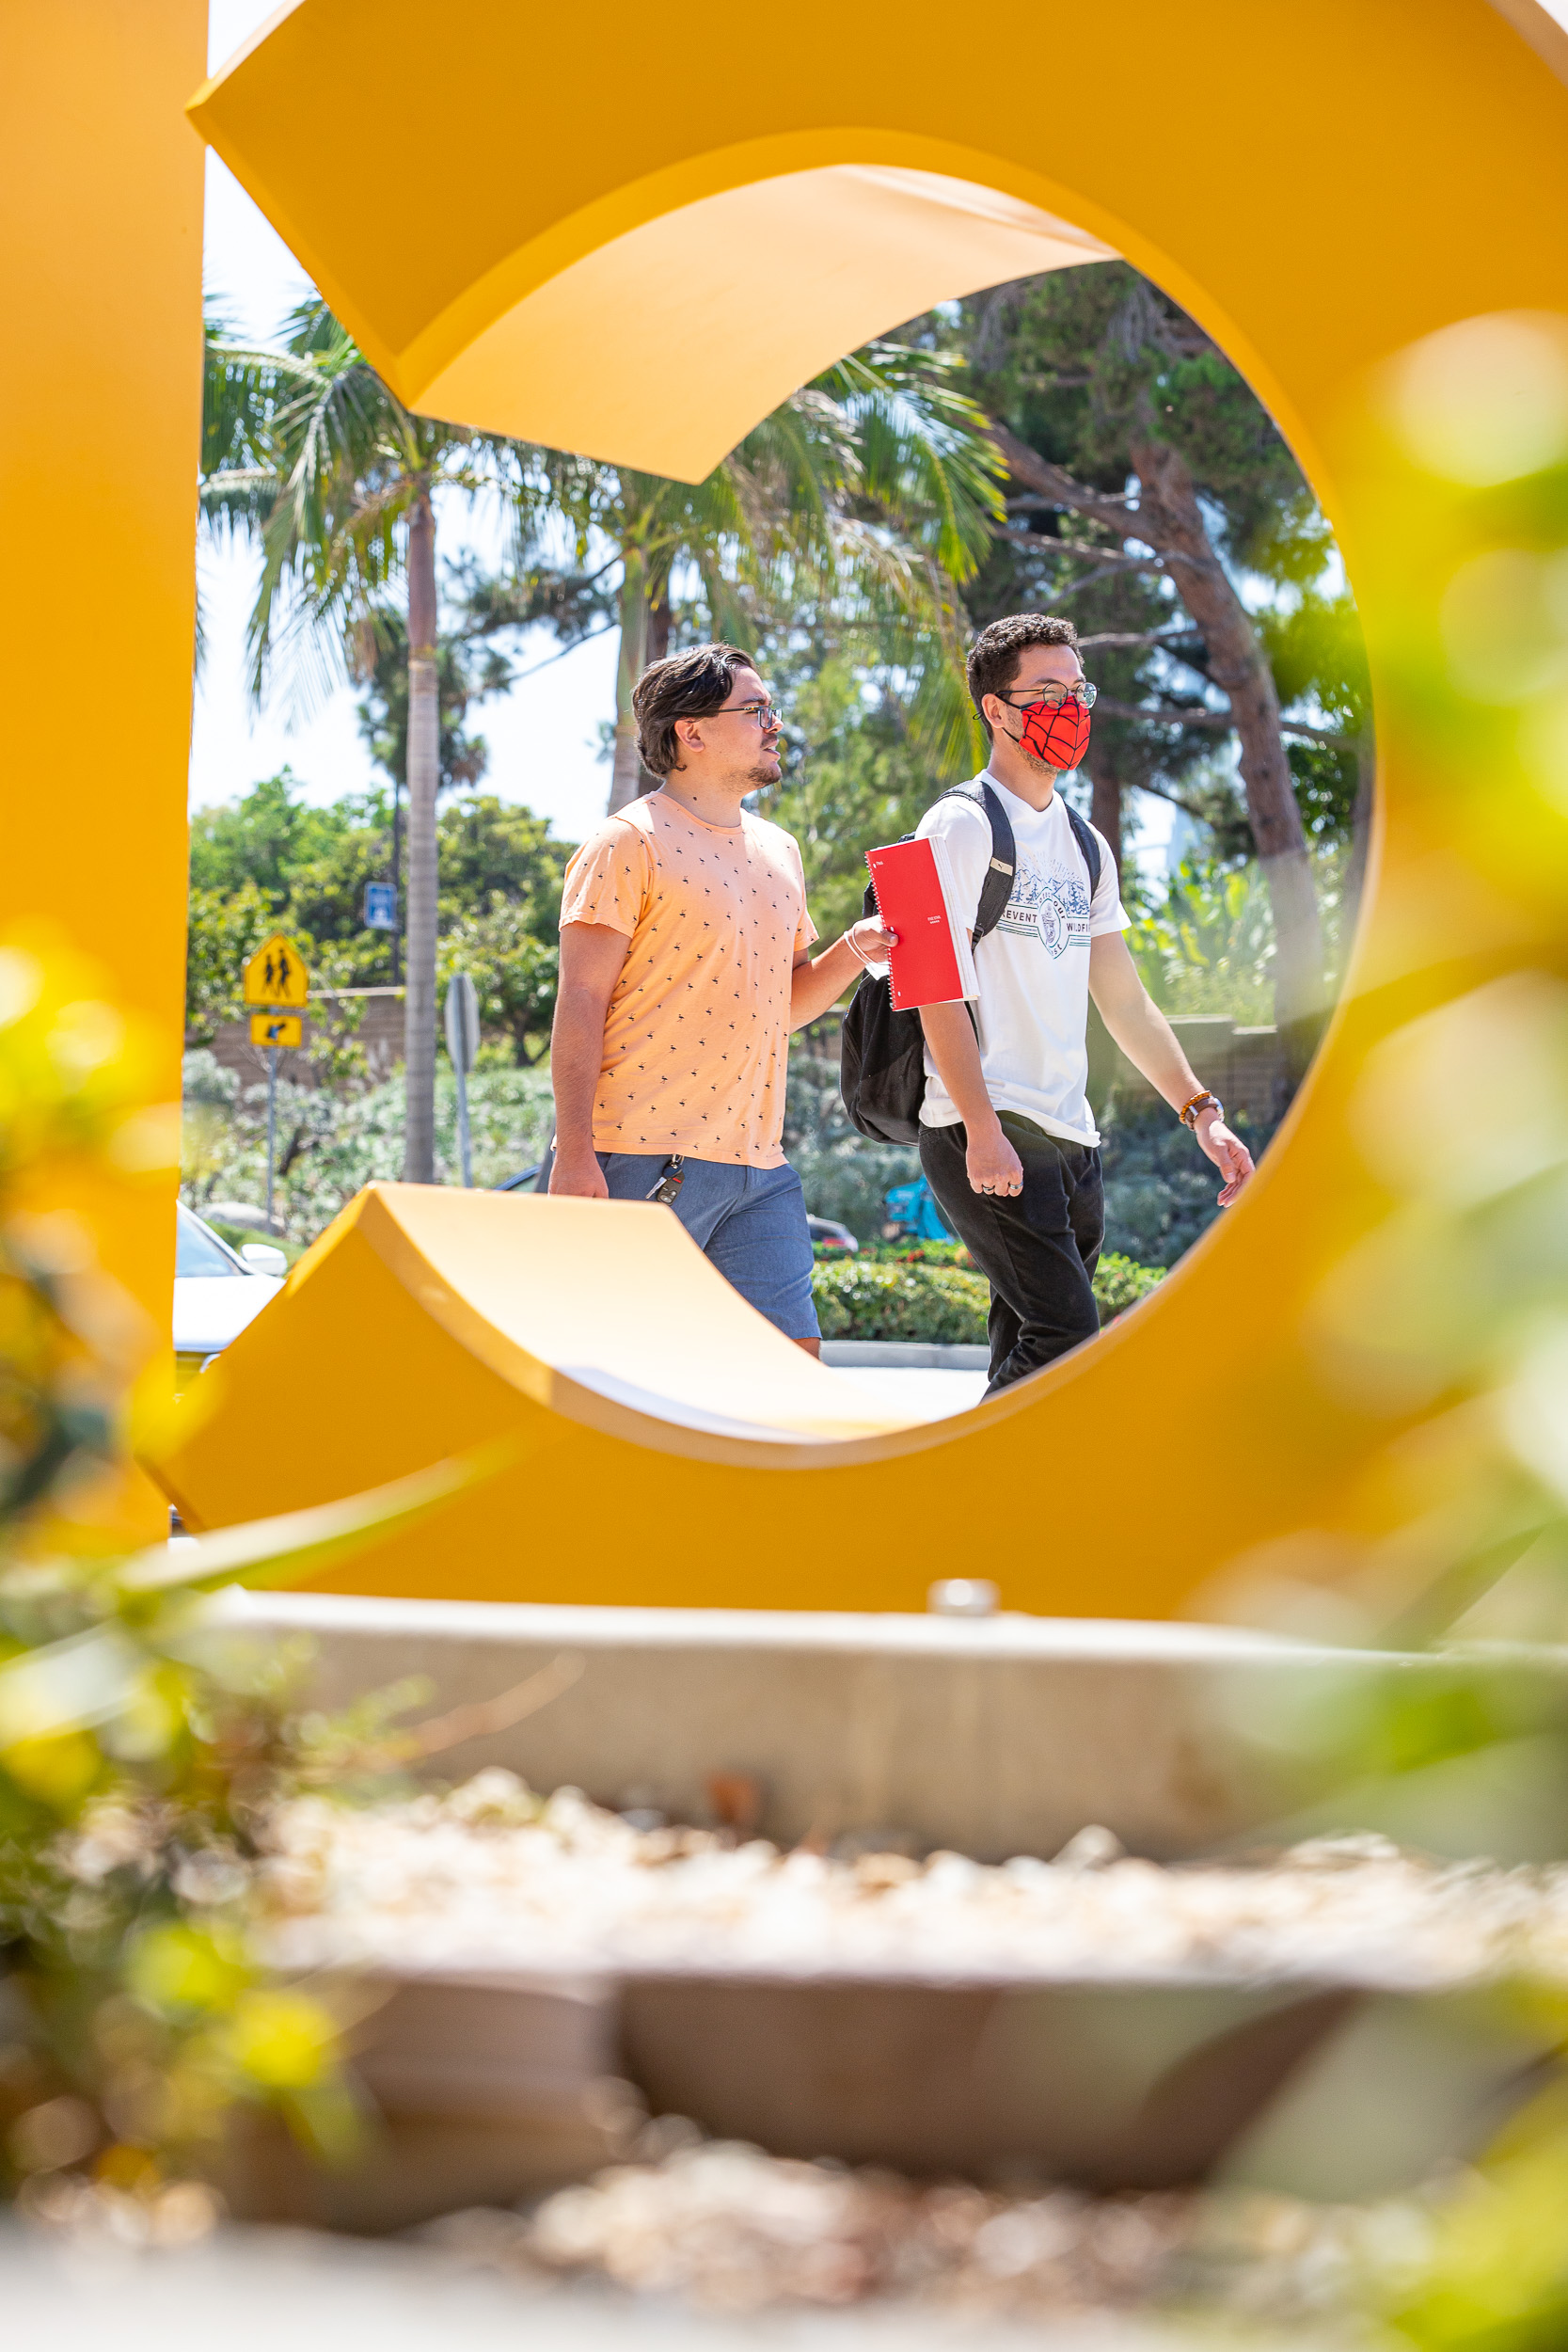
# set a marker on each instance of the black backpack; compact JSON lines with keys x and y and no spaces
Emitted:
{"x":882,"y":1051}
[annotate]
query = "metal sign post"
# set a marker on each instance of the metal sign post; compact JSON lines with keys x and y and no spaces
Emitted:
{"x":275,"y":976}
{"x":272,"y":1126}
{"x":462,"y":1011}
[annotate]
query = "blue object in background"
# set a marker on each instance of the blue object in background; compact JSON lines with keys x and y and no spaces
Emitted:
{"x":914,"y":1208}
{"x":381,"y":907}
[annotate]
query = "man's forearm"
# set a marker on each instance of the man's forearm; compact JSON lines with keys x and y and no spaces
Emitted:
{"x":576,"y":1059}
{"x":956,"y":1051}
{"x":816,"y":984}
{"x":1149,"y":1044}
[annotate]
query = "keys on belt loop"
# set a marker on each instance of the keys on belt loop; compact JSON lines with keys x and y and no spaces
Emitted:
{"x":672,"y":1176}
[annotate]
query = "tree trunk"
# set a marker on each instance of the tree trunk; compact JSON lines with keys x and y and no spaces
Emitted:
{"x":1168,"y":519}
{"x":656,"y":649}
{"x":626,"y":775}
{"x":419,"y":1149}
{"x":1105,"y":808}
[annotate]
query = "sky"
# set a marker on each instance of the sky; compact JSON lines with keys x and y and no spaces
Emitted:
{"x":542,"y":735}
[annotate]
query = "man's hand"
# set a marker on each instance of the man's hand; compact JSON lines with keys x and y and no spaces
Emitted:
{"x":579,"y":1175}
{"x":995,"y":1167}
{"x":1227,"y":1152}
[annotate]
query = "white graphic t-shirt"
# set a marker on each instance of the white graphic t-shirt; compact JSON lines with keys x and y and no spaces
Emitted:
{"x":1033,"y":968}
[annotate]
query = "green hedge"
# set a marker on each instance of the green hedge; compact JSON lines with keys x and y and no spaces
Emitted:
{"x":1119,"y":1283}
{"x":858,"y":1300}
{"x":864,"y":1298}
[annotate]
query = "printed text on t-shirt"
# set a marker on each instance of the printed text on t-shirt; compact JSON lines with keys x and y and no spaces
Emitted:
{"x":1052,"y":908}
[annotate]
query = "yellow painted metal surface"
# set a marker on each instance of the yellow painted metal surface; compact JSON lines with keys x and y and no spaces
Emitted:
{"x":100,"y":417}
{"x":647,"y":231}
{"x":622,"y":260}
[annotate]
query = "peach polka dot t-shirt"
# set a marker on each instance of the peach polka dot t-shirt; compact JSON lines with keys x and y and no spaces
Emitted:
{"x":696,"y":1039}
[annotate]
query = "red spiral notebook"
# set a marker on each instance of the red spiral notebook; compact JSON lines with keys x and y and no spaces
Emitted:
{"x":934,"y":961}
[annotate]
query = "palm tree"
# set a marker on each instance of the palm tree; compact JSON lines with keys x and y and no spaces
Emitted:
{"x":861,"y":504}
{"x":307,"y":453}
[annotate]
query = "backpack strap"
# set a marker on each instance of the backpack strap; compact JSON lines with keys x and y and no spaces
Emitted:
{"x":1003,"y":852}
{"x":1084,"y":834}
{"x":997,"y":887}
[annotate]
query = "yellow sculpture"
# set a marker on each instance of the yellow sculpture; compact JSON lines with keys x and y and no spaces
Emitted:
{"x":630,"y":234}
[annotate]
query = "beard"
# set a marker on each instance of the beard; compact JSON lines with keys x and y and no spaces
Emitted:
{"x":769,"y":769}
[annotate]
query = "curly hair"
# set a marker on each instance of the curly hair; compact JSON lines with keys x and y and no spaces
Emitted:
{"x":993,"y":658}
{"x":691,"y":685}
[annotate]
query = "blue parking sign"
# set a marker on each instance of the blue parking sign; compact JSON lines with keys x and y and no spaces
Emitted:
{"x":381,"y":907}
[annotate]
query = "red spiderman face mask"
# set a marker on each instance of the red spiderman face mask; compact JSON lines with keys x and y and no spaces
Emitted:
{"x":1059,"y":736}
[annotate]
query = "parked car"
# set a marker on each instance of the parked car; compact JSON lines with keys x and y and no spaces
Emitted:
{"x":218,"y":1291}
{"x":827,"y":1233}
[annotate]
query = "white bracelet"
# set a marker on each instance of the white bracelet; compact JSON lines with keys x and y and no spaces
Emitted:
{"x":864,"y":962}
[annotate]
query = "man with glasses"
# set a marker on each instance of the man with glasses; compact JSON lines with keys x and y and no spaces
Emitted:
{"x":683,"y":967}
{"x":1007,"y":1139}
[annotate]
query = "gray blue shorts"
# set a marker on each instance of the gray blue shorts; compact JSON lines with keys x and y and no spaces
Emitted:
{"x":749,"y":1221}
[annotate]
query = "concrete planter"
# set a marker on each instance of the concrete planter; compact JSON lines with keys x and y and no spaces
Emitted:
{"x":993,"y":1737}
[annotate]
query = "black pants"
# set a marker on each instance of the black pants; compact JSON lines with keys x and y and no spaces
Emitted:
{"x":1037,"y":1251}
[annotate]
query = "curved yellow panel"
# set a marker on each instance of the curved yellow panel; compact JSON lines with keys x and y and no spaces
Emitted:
{"x":1319,"y":185}
{"x":811,"y":254}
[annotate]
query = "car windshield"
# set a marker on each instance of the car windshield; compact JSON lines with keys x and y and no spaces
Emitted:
{"x":200,"y":1253}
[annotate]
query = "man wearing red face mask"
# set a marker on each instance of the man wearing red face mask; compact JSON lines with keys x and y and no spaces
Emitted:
{"x":1007,"y":1137}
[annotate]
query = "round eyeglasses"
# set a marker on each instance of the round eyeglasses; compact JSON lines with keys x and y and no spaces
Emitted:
{"x":1054,"y":696}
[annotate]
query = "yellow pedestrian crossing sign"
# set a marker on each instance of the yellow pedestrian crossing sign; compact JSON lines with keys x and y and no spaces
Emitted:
{"x":276,"y":974}
{"x":278,"y":1029}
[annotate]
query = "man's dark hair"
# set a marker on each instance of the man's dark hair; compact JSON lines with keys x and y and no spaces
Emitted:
{"x":691,"y":685}
{"x":993,"y":658}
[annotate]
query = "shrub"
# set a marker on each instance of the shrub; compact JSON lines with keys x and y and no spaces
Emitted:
{"x":880,"y":1298}
{"x":922,"y":1253}
{"x":860,"y":1299}
{"x":1119,"y":1283}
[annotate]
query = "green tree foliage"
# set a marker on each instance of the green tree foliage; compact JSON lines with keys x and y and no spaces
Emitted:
{"x":223,"y":928}
{"x":1208,"y":945}
{"x":488,"y":847}
{"x":514,"y":971}
{"x":270,"y":861}
{"x":1156,"y":501}
{"x":264,"y":839}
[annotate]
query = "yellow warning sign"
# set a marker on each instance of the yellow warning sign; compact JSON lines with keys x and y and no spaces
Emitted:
{"x":277,"y":1028}
{"x":276,"y":974}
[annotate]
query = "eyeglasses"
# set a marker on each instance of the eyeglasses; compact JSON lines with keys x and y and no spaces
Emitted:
{"x":768,"y":715}
{"x":1054,"y":696}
